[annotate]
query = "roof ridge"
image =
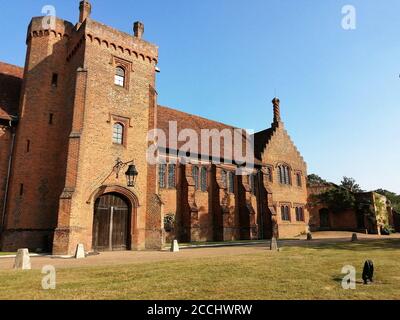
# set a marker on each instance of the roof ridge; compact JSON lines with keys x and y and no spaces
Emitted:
{"x":199,"y":117}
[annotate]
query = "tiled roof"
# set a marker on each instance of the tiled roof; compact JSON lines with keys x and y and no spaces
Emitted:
{"x":10,"y":87}
{"x":196,"y":123}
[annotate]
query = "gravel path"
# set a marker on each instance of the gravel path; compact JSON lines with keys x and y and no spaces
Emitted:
{"x":137,"y":257}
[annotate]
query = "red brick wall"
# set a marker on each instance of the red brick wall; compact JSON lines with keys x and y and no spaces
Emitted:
{"x":281,"y":150}
{"x":41,"y":169}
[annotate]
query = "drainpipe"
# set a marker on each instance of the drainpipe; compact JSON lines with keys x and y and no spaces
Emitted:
{"x":3,"y":214}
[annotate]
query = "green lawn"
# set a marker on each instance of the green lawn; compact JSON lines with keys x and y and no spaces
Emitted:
{"x":312,"y":272}
{"x":6,"y":253}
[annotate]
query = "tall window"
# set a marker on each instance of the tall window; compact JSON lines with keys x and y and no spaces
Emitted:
{"x":252,"y":182}
{"x":298,"y":179}
{"x":119,"y":79}
{"x":299,"y":214}
{"x":118,"y":133}
{"x":162,"y":168}
{"x":285,"y":213}
{"x":171,"y":176}
{"x":203,"y":179}
{"x":224,"y":178}
{"x":284,"y":174}
{"x":231,"y":182}
{"x":195,"y":174}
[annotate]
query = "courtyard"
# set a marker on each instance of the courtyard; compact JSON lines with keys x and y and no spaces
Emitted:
{"x":300,"y":270}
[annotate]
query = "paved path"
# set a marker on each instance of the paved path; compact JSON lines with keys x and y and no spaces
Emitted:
{"x":137,"y":257}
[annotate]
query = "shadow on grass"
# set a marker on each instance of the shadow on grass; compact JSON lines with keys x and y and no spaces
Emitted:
{"x":361,"y":245}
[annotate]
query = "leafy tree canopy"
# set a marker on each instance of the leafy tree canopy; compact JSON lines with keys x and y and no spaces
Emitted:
{"x":315,"y":179}
{"x":337,"y":199}
{"x":350,"y":184}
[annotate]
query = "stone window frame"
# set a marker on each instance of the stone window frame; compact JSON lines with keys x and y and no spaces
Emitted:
{"x":287,"y":166}
{"x":128,"y":68}
{"x":118,"y":133}
{"x":286,"y":205}
{"x":164,"y":175}
{"x":297,"y":174}
{"x":126,"y":123}
{"x":297,"y":206}
{"x":203,"y":179}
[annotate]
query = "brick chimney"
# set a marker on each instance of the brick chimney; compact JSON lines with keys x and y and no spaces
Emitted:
{"x":138,"y":29}
{"x":85,"y":8}
{"x":277,"y":110}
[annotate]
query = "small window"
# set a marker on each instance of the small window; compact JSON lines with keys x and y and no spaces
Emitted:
{"x":284,"y":175}
{"x":298,"y":178}
{"x":21,"y":189}
{"x":231,"y":182}
{"x":203,"y":179}
{"x":118,"y":133}
{"x":119,"y":79}
{"x":171,"y":176}
{"x":161,"y":176}
{"x":28,"y":145}
{"x":54,"y":80}
{"x":285,"y":213}
{"x":195,"y":175}
{"x":51,"y":117}
{"x":299,"y":214}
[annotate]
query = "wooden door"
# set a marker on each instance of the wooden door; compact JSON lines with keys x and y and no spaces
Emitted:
{"x":111,"y":223}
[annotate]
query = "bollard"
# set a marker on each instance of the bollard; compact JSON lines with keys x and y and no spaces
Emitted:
{"x":80,"y":252}
{"x":22,"y":260}
{"x":175,"y":246}
{"x":274,"y":245}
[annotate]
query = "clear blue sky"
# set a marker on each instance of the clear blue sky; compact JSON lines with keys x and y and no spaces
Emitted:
{"x":224,"y":59}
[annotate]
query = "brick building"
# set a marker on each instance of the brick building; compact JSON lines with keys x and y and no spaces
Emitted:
{"x":371,"y":213}
{"x":79,"y":115}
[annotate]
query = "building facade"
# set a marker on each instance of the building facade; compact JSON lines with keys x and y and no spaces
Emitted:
{"x":80,"y":114}
{"x":372,"y":213}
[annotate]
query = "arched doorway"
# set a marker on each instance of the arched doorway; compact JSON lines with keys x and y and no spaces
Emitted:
{"x":324,"y":219}
{"x":111,"y":223}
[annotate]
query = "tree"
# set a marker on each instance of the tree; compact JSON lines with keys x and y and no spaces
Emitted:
{"x":337,"y":199}
{"x":350,"y":184}
{"x":315,"y":179}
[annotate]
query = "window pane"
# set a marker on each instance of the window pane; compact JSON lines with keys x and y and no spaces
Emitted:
{"x":195,"y":174}
{"x":119,"y":78}
{"x":118,"y":133}
{"x":161,"y":175}
{"x":231,"y":181}
{"x":171,"y":176}
{"x":203,"y":179}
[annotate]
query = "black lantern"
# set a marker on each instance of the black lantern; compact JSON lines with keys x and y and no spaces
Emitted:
{"x":131,"y":175}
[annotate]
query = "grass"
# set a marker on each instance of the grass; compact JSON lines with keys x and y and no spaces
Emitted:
{"x":310,"y":272}
{"x":7,"y":253}
{"x":199,"y":243}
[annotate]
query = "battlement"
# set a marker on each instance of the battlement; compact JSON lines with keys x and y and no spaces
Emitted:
{"x":118,"y":40}
{"x":40,"y":27}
